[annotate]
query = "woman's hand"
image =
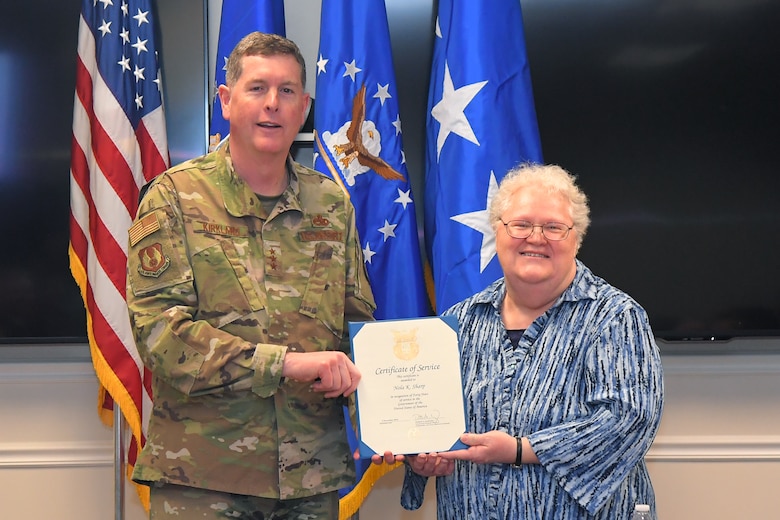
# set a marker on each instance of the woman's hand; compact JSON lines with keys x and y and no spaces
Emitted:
{"x":493,"y":447}
{"x":430,"y":464}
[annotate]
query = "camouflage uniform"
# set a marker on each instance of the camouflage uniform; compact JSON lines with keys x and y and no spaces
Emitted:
{"x":218,"y":292}
{"x":177,"y":502}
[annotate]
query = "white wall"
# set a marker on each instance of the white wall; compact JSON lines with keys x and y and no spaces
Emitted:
{"x":56,"y":457}
{"x":717,"y":455}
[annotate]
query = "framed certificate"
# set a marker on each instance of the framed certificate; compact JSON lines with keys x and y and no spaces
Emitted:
{"x":410,"y":395}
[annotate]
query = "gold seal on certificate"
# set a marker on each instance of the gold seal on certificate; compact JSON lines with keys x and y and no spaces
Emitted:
{"x":410,"y":396}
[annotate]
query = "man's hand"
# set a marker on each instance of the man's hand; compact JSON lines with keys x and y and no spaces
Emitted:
{"x":387,"y":458}
{"x":331,"y":372}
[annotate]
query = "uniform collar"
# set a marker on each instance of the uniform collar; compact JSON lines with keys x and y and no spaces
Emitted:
{"x":239,"y":198}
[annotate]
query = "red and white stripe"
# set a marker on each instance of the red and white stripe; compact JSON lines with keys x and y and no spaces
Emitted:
{"x":109,"y":164}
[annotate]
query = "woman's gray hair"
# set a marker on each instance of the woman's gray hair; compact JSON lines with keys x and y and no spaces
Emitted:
{"x":549,"y":177}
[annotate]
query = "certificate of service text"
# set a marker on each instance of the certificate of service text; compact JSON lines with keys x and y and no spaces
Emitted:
{"x":410,"y":396}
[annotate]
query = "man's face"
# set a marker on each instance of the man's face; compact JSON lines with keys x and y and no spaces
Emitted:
{"x":267,"y":105}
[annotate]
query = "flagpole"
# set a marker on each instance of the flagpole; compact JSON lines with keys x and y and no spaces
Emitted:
{"x":206,"y":68}
{"x":119,"y":464}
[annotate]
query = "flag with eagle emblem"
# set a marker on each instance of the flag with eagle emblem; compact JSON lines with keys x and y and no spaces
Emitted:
{"x":358,"y":142}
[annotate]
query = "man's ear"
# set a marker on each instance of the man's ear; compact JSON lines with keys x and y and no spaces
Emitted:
{"x":308,"y":116}
{"x":306,"y":108}
{"x":224,"y":100}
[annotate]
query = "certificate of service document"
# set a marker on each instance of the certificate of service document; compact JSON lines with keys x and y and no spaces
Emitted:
{"x":410,"y":396}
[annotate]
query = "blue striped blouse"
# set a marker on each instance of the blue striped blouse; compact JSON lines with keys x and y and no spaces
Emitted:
{"x":584,"y":385}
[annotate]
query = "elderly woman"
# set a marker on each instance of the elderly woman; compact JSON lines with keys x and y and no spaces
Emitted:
{"x":562,"y":377}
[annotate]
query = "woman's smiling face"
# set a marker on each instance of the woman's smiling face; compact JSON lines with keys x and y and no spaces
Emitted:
{"x":537,"y":260}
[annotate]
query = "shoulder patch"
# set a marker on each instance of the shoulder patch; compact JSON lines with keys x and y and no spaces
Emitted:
{"x":153,"y":260}
{"x":143,"y":228}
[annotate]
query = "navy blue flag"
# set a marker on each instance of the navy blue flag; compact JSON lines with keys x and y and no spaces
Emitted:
{"x":358,"y":142}
{"x":239,"y":18}
{"x":481,"y":123}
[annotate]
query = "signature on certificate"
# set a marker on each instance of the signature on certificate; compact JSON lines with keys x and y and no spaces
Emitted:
{"x":426,"y":419}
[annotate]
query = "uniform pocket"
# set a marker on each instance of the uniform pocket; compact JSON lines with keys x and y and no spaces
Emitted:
{"x":323,"y":298}
{"x":222,"y":297}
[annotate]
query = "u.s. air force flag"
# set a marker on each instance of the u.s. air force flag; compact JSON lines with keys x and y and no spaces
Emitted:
{"x":481,"y":123}
{"x":239,"y":18}
{"x":358,"y":143}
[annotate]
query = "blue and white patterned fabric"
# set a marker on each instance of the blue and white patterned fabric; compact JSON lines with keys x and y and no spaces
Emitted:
{"x":584,"y":385}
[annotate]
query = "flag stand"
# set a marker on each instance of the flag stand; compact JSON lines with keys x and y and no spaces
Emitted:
{"x":119,"y":464}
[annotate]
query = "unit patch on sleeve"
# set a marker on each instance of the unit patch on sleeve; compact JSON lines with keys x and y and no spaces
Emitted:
{"x":153,"y":260}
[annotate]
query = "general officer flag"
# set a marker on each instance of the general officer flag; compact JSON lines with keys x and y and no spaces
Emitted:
{"x":119,"y":143}
{"x":239,"y":18}
{"x":481,"y":122}
{"x":358,"y":142}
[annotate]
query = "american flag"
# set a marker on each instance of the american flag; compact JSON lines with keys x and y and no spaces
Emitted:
{"x":119,"y":143}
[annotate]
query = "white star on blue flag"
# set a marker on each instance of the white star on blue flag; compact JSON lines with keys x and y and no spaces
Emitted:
{"x":355,"y":77}
{"x":481,"y":123}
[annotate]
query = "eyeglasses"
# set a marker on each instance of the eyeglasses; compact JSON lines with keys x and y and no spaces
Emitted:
{"x":524,"y":229}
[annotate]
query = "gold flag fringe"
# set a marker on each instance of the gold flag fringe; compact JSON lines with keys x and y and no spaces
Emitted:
{"x":109,"y":381}
{"x":351,"y":502}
